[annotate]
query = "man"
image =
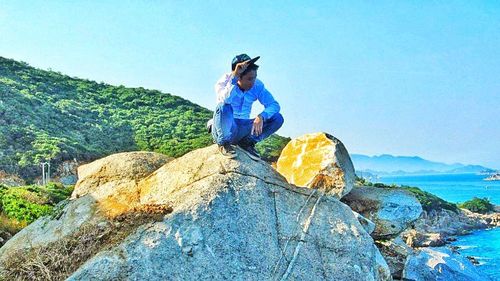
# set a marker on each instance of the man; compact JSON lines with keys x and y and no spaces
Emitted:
{"x":236,"y":92}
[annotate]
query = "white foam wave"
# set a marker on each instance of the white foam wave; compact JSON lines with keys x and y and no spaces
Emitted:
{"x":466,"y":247}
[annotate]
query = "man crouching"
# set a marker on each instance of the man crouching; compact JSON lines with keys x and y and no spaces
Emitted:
{"x":236,"y":92}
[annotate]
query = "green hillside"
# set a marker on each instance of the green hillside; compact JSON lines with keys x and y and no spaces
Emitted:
{"x":45,"y":115}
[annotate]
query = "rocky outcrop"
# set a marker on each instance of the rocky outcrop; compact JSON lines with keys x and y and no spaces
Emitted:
{"x":395,"y":252}
{"x":66,"y":172}
{"x":440,"y":264}
{"x":488,"y":220}
{"x":391,"y":209}
{"x":10,"y":180}
{"x":494,"y":177}
{"x":113,"y":180}
{"x":434,"y":228}
{"x":318,"y":161}
{"x":417,"y":239}
{"x":227,"y":219}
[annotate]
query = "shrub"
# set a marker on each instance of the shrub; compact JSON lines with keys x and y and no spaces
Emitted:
{"x":24,"y":205}
{"x":478,"y":205}
{"x":430,"y":201}
{"x":270,"y":149}
{"x":28,"y":203}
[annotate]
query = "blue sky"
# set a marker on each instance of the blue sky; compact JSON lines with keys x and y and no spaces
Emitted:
{"x":398,"y":77}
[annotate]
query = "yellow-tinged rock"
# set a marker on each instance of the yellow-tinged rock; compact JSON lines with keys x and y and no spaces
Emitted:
{"x":318,"y":160}
{"x":112,"y":181}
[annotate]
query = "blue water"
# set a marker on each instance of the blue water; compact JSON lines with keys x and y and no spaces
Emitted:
{"x":484,"y":245}
{"x":453,"y":187}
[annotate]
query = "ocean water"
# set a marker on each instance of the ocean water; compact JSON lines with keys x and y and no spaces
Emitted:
{"x":452,"y":187}
{"x":484,"y":245}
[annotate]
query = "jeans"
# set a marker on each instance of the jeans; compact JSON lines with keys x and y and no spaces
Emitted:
{"x":228,"y":130}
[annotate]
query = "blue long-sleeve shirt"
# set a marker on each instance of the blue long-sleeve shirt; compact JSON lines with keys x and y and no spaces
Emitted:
{"x":228,"y":92}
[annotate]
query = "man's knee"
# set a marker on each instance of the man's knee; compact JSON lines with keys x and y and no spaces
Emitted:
{"x":277,"y":119}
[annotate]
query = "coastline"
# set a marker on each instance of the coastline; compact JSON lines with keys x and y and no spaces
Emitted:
{"x":440,"y":227}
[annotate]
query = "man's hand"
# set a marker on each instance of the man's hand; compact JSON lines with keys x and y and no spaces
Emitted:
{"x":240,"y":67}
{"x":258,"y":123}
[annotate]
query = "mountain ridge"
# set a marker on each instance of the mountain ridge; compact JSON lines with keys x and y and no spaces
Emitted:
{"x":391,"y":164}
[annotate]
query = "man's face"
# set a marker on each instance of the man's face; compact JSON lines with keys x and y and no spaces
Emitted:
{"x":246,"y":81}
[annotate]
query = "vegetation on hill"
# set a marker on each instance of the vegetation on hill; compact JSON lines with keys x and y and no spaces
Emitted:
{"x":478,"y":205}
{"x":22,"y":205}
{"x":270,"y":149}
{"x":48,"y":116}
{"x":428,"y":201}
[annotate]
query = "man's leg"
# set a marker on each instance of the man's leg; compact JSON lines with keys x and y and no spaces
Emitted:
{"x":271,"y":126}
{"x":224,"y":129}
{"x":247,"y":141}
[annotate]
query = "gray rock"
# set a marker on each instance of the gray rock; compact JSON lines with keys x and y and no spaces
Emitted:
{"x":68,"y":180}
{"x":440,"y":263}
{"x":391,"y":209}
{"x":367,"y":224}
{"x":233,"y":219}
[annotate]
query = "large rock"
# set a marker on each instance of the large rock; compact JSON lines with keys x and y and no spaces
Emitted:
{"x":441,"y":264}
{"x":112,"y":181}
{"x":230,"y":219}
{"x":320,"y":161}
{"x":391,"y":209}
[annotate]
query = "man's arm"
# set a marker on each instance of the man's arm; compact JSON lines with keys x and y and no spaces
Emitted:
{"x":224,"y":87}
{"x":271,"y":106}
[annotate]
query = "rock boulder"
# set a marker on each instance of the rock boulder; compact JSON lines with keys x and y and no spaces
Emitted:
{"x":440,"y":263}
{"x":319,"y":161}
{"x":112,"y":181}
{"x":391,"y":209}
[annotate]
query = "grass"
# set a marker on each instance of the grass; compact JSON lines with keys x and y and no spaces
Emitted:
{"x":11,"y":226}
{"x":58,"y":260}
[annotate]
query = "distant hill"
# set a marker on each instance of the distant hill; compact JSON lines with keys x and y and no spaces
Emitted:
{"x":389,"y":164}
{"x":48,"y":116}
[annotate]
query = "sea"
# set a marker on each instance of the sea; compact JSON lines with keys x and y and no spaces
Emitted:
{"x":484,"y":245}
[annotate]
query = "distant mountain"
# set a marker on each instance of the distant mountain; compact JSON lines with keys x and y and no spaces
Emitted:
{"x":388,"y":164}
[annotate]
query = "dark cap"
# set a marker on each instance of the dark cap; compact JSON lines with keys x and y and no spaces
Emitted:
{"x":242,"y":58}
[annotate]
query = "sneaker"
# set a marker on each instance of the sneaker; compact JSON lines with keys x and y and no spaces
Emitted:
{"x":251,"y":151}
{"x":227,"y":150}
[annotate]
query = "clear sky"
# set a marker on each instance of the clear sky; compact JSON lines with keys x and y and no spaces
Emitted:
{"x":398,"y":77}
